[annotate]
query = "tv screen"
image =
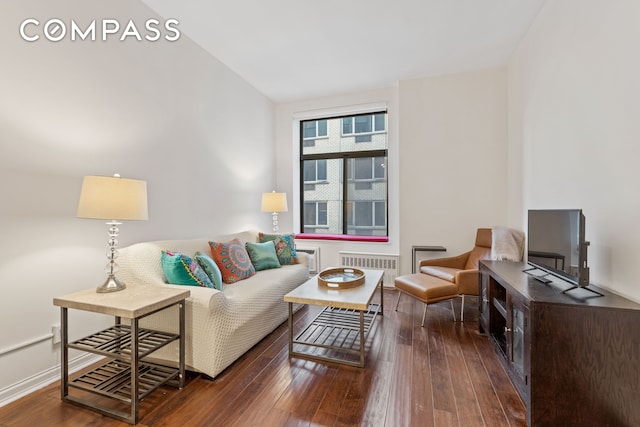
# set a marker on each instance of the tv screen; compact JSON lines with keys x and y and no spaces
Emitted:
{"x":556,"y":244}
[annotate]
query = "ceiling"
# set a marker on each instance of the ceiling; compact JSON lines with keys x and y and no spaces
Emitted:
{"x":297,"y":49}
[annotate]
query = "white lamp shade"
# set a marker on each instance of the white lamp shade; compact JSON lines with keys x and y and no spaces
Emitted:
{"x":274,"y":202}
{"x":113,"y":198}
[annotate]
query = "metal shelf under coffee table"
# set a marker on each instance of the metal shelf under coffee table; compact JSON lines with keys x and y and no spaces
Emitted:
{"x":342,"y":327}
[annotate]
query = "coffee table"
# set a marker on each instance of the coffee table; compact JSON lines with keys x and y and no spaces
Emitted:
{"x":340,"y":331}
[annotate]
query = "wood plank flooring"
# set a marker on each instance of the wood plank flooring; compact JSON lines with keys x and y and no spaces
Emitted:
{"x":445,"y":374}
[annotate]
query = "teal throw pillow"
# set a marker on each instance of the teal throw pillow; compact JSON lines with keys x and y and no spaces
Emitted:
{"x":211,"y":268}
{"x":180,"y":269}
{"x":285,"y":247}
{"x":263,"y":255}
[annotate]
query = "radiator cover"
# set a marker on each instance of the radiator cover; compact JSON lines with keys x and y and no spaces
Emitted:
{"x":389,"y":263}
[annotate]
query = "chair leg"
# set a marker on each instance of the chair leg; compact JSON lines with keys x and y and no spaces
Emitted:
{"x":424,"y":315}
{"x":398,"y":300}
{"x":462,"y":309}
{"x":453,"y":311}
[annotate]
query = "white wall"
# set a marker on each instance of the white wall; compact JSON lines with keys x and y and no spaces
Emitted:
{"x":453,"y":157}
{"x":574,"y":128}
{"x":168,"y":113}
{"x":288,"y":116}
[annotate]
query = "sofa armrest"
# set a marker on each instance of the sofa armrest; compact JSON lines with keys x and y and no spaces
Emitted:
{"x":204,"y":298}
{"x":303,"y":258}
{"x":467,"y":281}
{"x":450,"y":262}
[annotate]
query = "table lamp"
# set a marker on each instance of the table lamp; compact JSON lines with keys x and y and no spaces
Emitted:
{"x":114,"y":199}
{"x":274,"y":202}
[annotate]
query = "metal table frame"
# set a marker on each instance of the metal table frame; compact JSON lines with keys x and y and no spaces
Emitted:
{"x":342,"y":330}
{"x":127,"y":345}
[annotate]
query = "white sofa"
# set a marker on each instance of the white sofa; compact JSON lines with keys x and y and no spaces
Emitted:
{"x":220,"y":325}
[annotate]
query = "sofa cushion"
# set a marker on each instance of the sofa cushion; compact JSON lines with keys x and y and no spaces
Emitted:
{"x":263,"y":255}
{"x":180,"y":269}
{"x":210,"y":268}
{"x":444,"y":273}
{"x":233,"y":260}
{"x":285,"y":247}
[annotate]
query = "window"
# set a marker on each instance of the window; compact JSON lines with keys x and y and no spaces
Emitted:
{"x":315,"y":216}
{"x":313,"y":130}
{"x":352,"y":196}
{"x":368,"y":168}
{"x":315,"y":170}
{"x":364,"y":217}
{"x":364,"y":124}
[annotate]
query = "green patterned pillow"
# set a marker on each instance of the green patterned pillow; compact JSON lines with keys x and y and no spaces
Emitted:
{"x":180,"y":269}
{"x":211,"y":268}
{"x":285,"y":247}
{"x":263,"y":255}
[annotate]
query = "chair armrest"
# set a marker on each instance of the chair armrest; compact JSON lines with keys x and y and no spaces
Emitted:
{"x":467,"y":281}
{"x":450,"y":262}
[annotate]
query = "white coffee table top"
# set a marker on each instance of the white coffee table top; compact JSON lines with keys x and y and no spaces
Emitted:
{"x":131,"y":303}
{"x":357,"y":298}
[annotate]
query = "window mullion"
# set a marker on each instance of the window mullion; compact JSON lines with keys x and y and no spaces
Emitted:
{"x":345,"y":181}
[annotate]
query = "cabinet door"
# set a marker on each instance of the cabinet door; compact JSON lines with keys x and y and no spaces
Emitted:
{"x":483,"y":302}
{"x":518,"y":340}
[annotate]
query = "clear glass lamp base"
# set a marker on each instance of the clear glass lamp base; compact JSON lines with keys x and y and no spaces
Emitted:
{"x":112,"y":284}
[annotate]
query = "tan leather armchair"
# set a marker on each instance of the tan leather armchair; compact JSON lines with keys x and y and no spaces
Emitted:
{"x":461,"y":270}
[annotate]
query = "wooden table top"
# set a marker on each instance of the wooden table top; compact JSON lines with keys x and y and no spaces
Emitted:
{"x":310,"y":292}
{"x":133,"y":302}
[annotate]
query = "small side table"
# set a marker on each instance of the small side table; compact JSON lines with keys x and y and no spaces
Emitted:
{"x":125,"y":376}
{"x":415,"y":249}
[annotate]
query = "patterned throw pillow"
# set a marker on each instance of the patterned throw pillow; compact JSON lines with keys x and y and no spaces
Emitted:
{"x":180,"y":269}
{"x":233,"y":260}
{"x":210,"y":268}
{"x":285,"y":247}
{"x":263,"y":255}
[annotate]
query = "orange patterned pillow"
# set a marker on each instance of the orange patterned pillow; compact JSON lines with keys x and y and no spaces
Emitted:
{"x":233,"y":260}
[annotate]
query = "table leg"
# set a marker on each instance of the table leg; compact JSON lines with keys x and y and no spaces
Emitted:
{"x":134,"y":370}
{"x":382,"y":298}
{"x":362,"y":338}
{"x":290,"y":328}
{"x":182,"y":344}
{"x":64,"y":338}
{"x":413,"y":260}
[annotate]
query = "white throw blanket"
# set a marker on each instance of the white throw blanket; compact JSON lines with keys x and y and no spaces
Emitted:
{"x":507,"y":244}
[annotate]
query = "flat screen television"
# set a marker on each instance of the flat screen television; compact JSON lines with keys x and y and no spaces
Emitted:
{"x":557,"y":245}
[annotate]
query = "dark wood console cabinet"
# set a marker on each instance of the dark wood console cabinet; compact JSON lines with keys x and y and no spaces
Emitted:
{"x":574,"y":357}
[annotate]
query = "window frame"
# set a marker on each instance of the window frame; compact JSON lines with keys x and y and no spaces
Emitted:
{"x":352,"y":175}
{"x":373,"y":203}
{"x":317,"y":224}
{"x":345,"y":156}
{"x":317,"y":180}
{"x":317,"y":136}
{"x":353,"y":125}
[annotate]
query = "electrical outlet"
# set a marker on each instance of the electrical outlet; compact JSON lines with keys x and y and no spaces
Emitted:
{"x":55,"y":330}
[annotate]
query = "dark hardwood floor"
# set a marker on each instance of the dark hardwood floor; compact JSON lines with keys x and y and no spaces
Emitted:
{"x":445,"y":374}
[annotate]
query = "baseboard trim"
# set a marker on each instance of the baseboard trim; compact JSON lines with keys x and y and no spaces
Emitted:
{"x":43,"y":379}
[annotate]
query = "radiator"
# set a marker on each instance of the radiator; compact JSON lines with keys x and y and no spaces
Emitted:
{"x":387,"y":262}
{"x":314,"y":257}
